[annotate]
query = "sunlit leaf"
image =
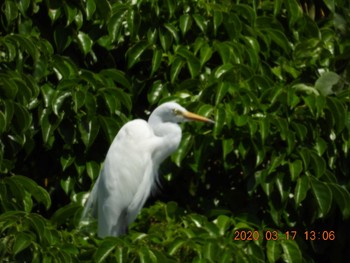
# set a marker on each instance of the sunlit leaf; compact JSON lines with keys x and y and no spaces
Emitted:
{"x":134,"y":53}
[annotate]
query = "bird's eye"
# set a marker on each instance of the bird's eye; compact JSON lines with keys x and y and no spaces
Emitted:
{"x":176,"y":111}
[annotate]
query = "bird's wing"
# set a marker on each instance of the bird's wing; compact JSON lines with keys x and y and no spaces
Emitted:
{"x":127,"y":177}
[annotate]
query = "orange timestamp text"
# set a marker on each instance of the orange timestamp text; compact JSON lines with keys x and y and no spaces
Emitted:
{"x":250,"y":235}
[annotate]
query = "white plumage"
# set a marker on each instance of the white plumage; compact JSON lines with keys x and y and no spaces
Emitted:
{"x":130,"y":169}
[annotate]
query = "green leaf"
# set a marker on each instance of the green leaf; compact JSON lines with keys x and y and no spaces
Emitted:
{"x":305,"y":156}
{"x":176,"y":68}
{"x":90,"y":9}
{"x":70,"y":12}
{"x":173,"y":31}
{"x":300,"y":130}
{"x":220,"y":116}
{"x":115,"y":24}
{"x":64,"y":67}
{"x":156,"y":92}
{"x":253,"y":50}
{"x":85,"y":42}
{"x":294,"y":10}
{"x":104,"y":9}
{"x":93,"y":170}
{"x":165,"y":39}
{"x":291,"y":251}
{"x":320,"y":146}
{"x":182,"y":151}
{"x":217,"y":21}
{"x":66,"y":161}
{"x":175,"y":245}
{"x":205,"y":54}
{"x":104,"y":249}
{"x":185,"y":23}
{"x":22,"y":118}
{"x":200,"y":22}
{"x":264,"y":125}
{"x":227,"y":147}
{"x":318,"y":164}
{"x":295,"y":168}
{"x":117,"y":76}
{"x":156,"y":60}
{"x":279,"y":38}
{"x":342,"y":197}
{"x":58,"y":99}
{"x":133,"y":23}
{"x":63,"y":214}
{"x":8,"y":113}
{"x":110,"y":127}
{"x":39,"y":193}
{"x":89,"y":129}
{"x":277,"y":4}
{"x":134,"y":53}
{"x":23,"y":240}
{"x":223,"y":223}
{"x":67,"y":184}
{"x":10,"y":11}
{"x":224,"y":50}
{"x":323,"y":196}
{"x":222,"y":70}
{"x":301,"y":189}
{"x":62,"y":37}
{"x":338,"y":113}
{"x":192,"y":62}
{"x":170,"y":4}
{"x":273,"y":251}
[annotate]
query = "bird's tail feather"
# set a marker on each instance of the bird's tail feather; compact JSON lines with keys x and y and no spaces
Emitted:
{"x":90,"y":208}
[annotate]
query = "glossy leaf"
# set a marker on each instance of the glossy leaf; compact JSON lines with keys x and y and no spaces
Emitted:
{"x":176,"y":68}
{"x":323,"y":196}
{"x":93,"y":170}
{"x":200,"y":22}
{"x":23,"y":240}
{"x":104,"y":249}
{"x":183,"y":149}
{"x":134,"y":53}
{"x":156,"y":60}
{"x":291,"y":251}
{"x":295,"y":169}
{"x":274,"y":251}
{"x":39,"y":193}
{"x":342,"y":197}
{"x":156,"y":92}
{"x":217,"y":21}
{"x":185,"y":23}
{"x":301,"y":189}
{"x":219,"y":121}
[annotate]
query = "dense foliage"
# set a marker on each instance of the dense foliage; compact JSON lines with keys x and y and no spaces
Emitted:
{"x":273,"y":74}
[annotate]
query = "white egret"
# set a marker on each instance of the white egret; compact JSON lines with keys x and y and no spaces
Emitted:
{"x":130,"y":170}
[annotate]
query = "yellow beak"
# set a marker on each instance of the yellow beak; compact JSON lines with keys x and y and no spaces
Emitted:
{"x":195,"y":117}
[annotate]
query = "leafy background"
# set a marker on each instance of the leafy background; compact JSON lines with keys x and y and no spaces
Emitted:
{"x":273,"y":74}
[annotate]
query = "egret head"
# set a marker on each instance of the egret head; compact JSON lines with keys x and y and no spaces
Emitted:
{"x":173,"y":112}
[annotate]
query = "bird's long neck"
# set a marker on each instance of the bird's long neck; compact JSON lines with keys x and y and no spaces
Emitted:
{"x":170,"y":135}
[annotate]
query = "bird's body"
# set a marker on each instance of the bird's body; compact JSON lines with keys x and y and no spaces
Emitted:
{"x":130,"y":168}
